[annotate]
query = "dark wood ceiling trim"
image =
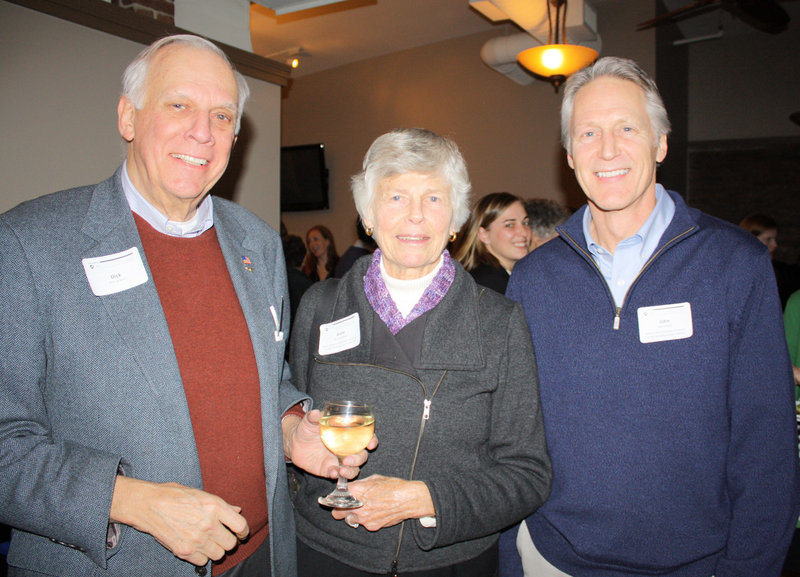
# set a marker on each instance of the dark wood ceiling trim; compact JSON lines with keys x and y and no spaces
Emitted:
{"x":127,"y":24}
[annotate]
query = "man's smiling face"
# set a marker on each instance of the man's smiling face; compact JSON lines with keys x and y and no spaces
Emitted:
{"x":614,"y":148}
{"x":181,"y":138}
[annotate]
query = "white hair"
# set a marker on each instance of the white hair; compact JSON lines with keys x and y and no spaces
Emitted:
{"x":135,"y":76}
{"x":407,"y":150}
{"x":623,"y":69}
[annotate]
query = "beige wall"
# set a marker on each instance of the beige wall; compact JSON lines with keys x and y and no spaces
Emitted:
{"x":60,"y":85}
{"x":509,"y":134}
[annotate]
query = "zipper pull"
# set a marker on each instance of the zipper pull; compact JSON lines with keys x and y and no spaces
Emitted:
{"x":616,"y":318}
{"x":426,"y":412}
{"x":393,"y":570}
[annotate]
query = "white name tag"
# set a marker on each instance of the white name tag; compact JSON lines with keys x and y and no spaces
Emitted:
{"x":665,"y":323}
{"x":115,"y":273}
{"x":339,"y":335}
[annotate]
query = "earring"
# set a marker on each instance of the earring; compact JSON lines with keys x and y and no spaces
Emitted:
{"x":453,"y":236}
{"x":369,"y":230}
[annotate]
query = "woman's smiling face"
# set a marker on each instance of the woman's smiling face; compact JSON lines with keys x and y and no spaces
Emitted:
{"x":508,"y":237}
{"x":412,"y":222}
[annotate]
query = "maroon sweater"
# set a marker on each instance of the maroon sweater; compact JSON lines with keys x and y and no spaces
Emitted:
{"x":219,"y":373}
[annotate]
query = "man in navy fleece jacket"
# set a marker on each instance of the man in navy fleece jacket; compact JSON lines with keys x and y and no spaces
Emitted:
{"x":664,"y":374}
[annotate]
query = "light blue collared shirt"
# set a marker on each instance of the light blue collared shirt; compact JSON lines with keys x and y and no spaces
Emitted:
{"x":202,"y":220}
{"x":622,"y":267}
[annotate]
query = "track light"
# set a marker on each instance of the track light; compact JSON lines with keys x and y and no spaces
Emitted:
{"x":292,"y":57}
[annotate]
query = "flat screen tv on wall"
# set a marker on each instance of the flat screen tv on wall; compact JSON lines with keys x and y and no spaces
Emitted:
{"x":304,"y":178}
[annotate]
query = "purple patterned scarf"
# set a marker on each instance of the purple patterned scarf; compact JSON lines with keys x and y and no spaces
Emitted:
{"x":381,"y":301}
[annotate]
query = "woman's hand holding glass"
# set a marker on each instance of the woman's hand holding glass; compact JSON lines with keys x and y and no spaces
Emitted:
{"x":346,"y":427}
{"x":386,"y":501}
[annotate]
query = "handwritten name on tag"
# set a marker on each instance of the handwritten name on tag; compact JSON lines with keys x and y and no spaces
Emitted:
{"x":116,"y":272}
{"x":339,"y":335}
{"x":665,"y":323}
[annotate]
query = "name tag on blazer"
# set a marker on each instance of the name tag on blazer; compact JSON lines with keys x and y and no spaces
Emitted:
{"x":116,"y":272}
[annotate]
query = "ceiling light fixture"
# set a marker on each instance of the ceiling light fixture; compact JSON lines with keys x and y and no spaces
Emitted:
{"x":293,"y":60}
{"x":556,"y":60}
{"x":292,"y":57}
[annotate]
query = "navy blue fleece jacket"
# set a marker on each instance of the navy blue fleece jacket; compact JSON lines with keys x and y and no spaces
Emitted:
{"x":674,"y":458}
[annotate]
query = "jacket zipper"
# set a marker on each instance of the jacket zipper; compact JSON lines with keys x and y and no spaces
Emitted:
{"x":426,"y":415}
{"x":618,"y":309}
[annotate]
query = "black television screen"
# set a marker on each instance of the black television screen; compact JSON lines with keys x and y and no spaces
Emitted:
{"x":304,"y":178}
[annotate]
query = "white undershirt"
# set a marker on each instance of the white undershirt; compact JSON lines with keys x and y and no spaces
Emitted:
{"x":406,"y":293}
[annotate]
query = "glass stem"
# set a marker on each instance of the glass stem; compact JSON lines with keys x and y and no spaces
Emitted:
{"x":341,"y":483}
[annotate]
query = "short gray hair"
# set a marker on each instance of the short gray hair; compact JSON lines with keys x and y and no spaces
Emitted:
{"x":623,"y":69}
{"x":544,"y":215}
{"x":407,"y":150}
{"x":134,"y":78}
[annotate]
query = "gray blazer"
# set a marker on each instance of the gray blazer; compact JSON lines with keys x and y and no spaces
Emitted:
{"x":90,"y":385}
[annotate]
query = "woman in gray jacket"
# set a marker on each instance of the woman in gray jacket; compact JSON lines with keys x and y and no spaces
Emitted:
{"x":451,"y":372}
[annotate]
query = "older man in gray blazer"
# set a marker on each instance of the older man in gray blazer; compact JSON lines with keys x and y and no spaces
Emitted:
{"x":144,"y":426}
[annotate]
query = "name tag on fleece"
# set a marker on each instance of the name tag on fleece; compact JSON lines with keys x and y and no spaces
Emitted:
{"x":665,"y":323}
{"x":339,"y":335}
{"x":116,"y":272}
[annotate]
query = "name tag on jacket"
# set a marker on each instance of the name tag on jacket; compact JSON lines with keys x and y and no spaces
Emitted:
{"x":665,"y":323}
{"x":116,"y":272}
{"x":339,"y":335}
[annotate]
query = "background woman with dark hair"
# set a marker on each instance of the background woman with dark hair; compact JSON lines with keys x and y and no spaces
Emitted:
{"x":322,"y":256}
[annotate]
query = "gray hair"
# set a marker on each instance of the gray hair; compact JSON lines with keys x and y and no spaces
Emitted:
{"x":413,"y":150}
{"x":623,"y":69}
{"x":135,"y":76}
{"x":544,"y":215}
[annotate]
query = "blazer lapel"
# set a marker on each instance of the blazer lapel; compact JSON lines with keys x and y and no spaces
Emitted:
{"x":252,"y":278}
{"x":136,"y":312}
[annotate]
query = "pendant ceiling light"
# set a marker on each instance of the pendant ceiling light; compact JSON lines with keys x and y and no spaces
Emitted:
{"x":556,"y":60}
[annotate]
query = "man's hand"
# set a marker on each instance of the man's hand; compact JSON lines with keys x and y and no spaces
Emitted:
{"x":303,"y":446}
{"x":196,"y":526}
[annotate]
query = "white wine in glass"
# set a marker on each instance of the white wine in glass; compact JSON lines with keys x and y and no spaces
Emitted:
{"x":346,"y":428}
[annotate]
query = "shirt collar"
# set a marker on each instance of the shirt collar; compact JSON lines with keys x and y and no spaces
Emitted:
{"x":648,"y":234}
{"x":202,"y":220}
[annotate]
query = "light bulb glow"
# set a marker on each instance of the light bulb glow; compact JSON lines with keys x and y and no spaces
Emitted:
{"x":552,"y":58}
{"x":556,"y":59}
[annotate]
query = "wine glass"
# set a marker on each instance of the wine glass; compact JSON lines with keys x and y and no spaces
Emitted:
{"x":346,"y":428}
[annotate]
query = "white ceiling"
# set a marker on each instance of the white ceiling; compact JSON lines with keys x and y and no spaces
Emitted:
{"x":352,"y":30}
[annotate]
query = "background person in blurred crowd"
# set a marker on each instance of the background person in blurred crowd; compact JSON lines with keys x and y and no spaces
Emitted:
{"x":322,"y":257}
{"x":363,"y":246}
{"x":765,"y":229}
{"x":544,"y":215}
{"x":791,"y":321}
{"x":494,"y":238}
{"x":294,"y":252}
